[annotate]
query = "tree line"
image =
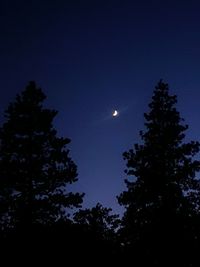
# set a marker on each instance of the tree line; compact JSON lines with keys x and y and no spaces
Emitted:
{"x":161,"y":222}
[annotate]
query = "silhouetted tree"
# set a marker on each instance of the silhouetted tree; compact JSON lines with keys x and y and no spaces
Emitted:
{"x":161,"y":198}
{"x":99,"y":226}
{"x":35,"y":166}
{"x":99,"y":220}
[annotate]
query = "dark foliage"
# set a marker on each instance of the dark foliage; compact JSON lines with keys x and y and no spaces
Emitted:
{"x":62,"y":243}
{"x":99,"y":220}
{"x":35,"y":166}
{"x":161,"y":200}
{"x":101,"y":226}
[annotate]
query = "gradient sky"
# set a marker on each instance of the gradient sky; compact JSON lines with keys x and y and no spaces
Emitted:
{"x":90,"y":57}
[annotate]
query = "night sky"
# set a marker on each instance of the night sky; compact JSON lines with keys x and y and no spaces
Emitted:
{"x":91,"y":57}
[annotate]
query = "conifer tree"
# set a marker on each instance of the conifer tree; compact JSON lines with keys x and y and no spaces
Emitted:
{"x":35,"y":165}
{"x":162,"y":194}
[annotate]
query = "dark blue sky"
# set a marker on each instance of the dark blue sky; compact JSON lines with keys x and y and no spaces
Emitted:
{"x":90,"y":57}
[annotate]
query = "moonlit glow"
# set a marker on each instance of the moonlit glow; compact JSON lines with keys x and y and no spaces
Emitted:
{"x":115,"y":113}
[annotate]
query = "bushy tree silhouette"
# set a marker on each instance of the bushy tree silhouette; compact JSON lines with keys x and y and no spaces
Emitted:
{"x":35,"y":166}
{"x":99,"y":226}
{"x":99,"y":220}
{"x":161,"y":198}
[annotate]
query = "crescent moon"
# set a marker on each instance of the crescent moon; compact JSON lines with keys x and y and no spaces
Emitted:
{"x":115,"y":113}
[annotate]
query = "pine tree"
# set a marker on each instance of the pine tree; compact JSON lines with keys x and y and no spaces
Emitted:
{"x":161,"y":197}
{"x":35,"y":166}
